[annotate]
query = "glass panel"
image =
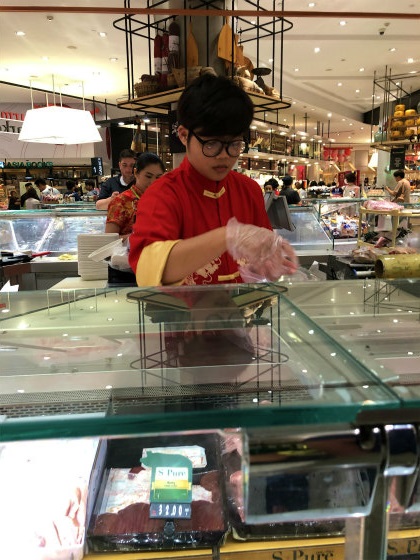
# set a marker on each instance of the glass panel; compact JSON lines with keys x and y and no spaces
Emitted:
{"x":46,"y":230}
{"x":377,"y":321}
{"x":229,"y":350}
{"x":309,"y":233}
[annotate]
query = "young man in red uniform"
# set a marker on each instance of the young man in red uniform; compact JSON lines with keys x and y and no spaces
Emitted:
{"x":204,"y":223}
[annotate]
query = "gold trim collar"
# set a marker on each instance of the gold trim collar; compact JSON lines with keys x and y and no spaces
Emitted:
{"x":214,"y":195}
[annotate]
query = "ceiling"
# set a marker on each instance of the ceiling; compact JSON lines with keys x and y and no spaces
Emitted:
{"x":332,"y":87}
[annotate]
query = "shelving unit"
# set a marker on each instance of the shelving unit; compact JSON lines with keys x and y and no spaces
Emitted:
{"x":161,"y":103}
{"x":396,"y":215}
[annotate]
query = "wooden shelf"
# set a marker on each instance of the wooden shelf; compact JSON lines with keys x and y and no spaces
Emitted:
{"x":161,"y":102}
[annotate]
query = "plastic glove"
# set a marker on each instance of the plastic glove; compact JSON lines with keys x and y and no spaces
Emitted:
{"x":261,"y":253}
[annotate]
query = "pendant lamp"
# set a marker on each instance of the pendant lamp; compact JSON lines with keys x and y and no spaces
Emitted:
{"x":59,"y":125}
{"x":373,"y":162}
{"x":55,"y":124}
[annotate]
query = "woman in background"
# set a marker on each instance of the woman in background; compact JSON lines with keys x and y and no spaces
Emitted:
{"x":14,"y":201}
{"x":122,"y":208}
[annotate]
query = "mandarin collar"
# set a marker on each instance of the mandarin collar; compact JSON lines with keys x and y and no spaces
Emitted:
{"x":199,"y":179}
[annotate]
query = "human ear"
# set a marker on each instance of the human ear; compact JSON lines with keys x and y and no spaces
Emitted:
{"x":183,"y":134}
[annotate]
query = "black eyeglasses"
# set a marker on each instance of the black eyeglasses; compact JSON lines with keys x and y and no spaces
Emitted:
{"x":212,"y":148}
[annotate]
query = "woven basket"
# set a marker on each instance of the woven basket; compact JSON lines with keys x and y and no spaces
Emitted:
{"x":192,"y":73}
{"x":145,"y":88}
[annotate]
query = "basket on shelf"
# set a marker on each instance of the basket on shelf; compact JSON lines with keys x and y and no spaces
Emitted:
{"x":145,"y":88}
{"x":179,"y":74}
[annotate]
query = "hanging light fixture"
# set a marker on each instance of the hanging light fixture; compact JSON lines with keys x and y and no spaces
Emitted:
{"x":373,"y":162}
{"x":59,"y":125}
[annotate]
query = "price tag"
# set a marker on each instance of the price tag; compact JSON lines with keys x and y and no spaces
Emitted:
{"x":170,"y":511}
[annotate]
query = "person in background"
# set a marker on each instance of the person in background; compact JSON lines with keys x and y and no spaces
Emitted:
{"x":302,"y":191}
{"x":203,"y":223}
{"x":25,"y":194}
{"x":336,"y":190}
{"x":119,"y":183}
{"x":46,"y":190}
{"x":271,"y":185}
{"x":91,"y":188}
{"x":32,"y":199}
{"x":351,"y":190}
{"x":122,"y":208}
{"x":30,"y":193}
{"x":14,"y":201}
{"x":402,"y":191}
{"x":292,"y":196}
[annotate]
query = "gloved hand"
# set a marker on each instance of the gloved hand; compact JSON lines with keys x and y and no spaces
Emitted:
{"x":261,"y":254}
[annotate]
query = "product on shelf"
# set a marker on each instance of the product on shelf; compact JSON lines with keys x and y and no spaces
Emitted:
{"x":124,"y":512}
{"x":43,"y":488}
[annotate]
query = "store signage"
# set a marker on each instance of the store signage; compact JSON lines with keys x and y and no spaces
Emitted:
{"x":26,"y":164}
{"x":97,"y":166}
{"x":397,"y":158}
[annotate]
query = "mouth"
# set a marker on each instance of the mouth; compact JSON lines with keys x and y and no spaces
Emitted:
{"x":220,"y":168}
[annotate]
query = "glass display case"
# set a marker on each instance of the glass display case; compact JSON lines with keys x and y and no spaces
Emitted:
{"x":309,"y":233}
{"x":302,"y":438}
{"x":54,"y":230}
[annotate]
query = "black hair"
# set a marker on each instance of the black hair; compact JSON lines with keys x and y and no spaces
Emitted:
{"x":127,"y":154}
{"x":313,"y":184}
{"x":148,"y":158}
{"x":399,"y":173}
{"x":287,"y":181}
{"x":273,"y":182}
{"x":350,"y":177}
{"x":215,"y":106}
{"x":28,"y":185}
{"x":70,"y":184}
{"x":32,"y":193}
{"x":40,"y":182}
{"x":89,"y":183}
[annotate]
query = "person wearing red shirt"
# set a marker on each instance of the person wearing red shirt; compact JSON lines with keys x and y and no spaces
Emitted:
{"x":204,"y":223}
{"x":123,"y":207}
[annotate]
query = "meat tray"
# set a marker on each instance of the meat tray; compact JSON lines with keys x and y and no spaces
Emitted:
{"x":120,"y":519}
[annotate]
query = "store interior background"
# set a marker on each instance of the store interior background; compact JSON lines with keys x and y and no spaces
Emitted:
{"x":329,"y":68}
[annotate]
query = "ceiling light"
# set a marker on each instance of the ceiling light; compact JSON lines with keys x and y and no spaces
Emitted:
{"x":45,"y":58}
{"x":20,"y":33}
{"x":392,"y":49}
{"x":343,"y":23}
{"x":329,"y":115}
{"x":311,"y":5}
{"x":296,"y":69}
{"x":102,"y":34}
{"x":410,"y":60}
{"x":271,"y":60}
{"x":413,"y":72}
{"x":121,"y":123}
{"x":113,"y":59}
{"x":339,"y":84}
{"x":357,"y":90}
{"x":317,"y":50}
{"x":361,"y":69}
{"x":59,"y":125}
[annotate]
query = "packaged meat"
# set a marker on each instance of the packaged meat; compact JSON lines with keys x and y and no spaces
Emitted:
{"x":122,"y":518}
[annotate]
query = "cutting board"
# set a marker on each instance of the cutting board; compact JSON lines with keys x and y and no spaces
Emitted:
{"x":225,"y":43}
{"x":192,"y":49}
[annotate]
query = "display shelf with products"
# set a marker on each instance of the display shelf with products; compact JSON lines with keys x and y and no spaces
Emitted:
{"x":395,"y":216}
{"x":186,"y":362}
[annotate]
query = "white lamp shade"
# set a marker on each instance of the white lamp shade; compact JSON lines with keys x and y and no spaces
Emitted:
{"x":373,"y":162}
{"x":59,"y":125}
